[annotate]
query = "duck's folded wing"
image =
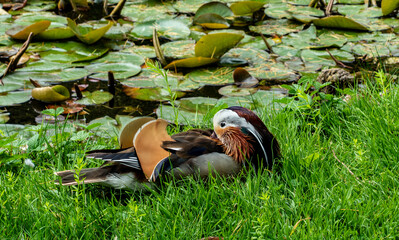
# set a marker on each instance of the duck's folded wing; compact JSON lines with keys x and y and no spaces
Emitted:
{"x":186,"y":147}
{"x":126,"y":157}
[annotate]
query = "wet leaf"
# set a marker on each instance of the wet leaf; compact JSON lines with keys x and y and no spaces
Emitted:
{"x":191,"y":62}
{"x":143,"y":51}
{"x":173,"y":29}
{"x":143,"y":30}
{"x":245,"y":7}
{"x":217,"y":8}
{"x":216,"y":44}
{"x":22,"y":33}
{"x":278,"y":11}
{"x":179,"y":49}
{"x":56,"y":33}
{"x":212,"y":76}
{"x":212,"y":21}
{"x":197,"y":104}
{"x":322,"y":58}
{"x":55,"y":93}
{"x":88,"y":36}
{"x":235,"y":91}
{"x":12,"y":98}
{"x":150,"y":94}
{"x":10,"y":86}
{"x":121,"y":57}
{"x":120,"y":70}
{"x":252,"y":56}
{"x":279,"y":27}
{"x":339,"y":22}
{"x":359,"y":11}
{"x":96,"y":97}
{"x":387,"y":6}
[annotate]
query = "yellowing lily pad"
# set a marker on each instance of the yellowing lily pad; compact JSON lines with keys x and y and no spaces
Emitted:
{"x":339,"y":22}
{"x":22,"y":33}
{"x":191,"y":62}
{"x":56,"y":33}
{"x":216,"y":44}
{"x":245,"y":7}
{"x":88,"y":36}
{"x":387,"y":6}
{"x":212,"y":21}
{"x":55,"y":93}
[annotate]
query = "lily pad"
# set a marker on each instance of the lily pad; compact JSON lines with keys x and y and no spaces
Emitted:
{"x":235,"y":91}
{"x":121,"y":57}
{"x":339,"y":22}
{"x":55,"y":93}
{"x":212,"y":76}
{"x":10,"y":86}
{"x":253,"y":56}
{"x":56,"y":34}
{"x":191,"y":62}
{"x":279,"y":27}
{"x":387,"y":6}
{"x":322,"y":58}
{"x":143,"y":51}
{"x":359,"y":11}
{"x":22,"y":33}
{"x":216,"y":44}
{"x":120,"y":70}
{"x":197,"y":104}
{"x":12,"y":98}
{"x":278,"y":11}
{"x":96,"y":97}
{"x":88,"y":36}
{"x":179,"y":49}
{"x":150,"y":94}
{"x":217,"y":8}
{"x":143,"y":30}
{"x":212,"y":21}
{"x":245,"y":7}
{"x":173,"y":29}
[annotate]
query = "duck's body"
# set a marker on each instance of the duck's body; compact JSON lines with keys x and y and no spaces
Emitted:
{"x":240,"y":139}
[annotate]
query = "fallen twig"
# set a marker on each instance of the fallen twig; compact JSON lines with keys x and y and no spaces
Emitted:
{"x":339,"y":63}
{"x":358,"y":180}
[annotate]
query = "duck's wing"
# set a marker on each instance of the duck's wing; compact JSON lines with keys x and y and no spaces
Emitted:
{"x":186,"y":148}
{"x":126,"y":157}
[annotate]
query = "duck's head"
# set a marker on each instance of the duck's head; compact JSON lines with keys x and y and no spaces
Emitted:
{"x":245,"y":136}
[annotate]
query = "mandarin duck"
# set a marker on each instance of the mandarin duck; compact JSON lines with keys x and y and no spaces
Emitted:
{"x":239,"y":140}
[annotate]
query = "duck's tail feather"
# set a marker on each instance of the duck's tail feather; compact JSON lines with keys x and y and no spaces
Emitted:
{"x":88,"y":175}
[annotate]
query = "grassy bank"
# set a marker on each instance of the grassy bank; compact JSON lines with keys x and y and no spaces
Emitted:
{"x":339,"y":179}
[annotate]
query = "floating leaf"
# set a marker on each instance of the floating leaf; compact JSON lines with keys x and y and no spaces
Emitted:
{"x":173,"y":29}
{"x":387,"y":6}
{"x":245,"y":7}
{"x":216,"y":44}
{"x":150,"y":94}
{"x":217,"y":8}
{"x":253,"y":56}
{"x":12,"y":98}
{"x":55,"y":93}
{"x":120,"y":70}
{"x":56,"y":33}
{"x":212,"y":76}
{"x":96,"y":97}
{"x":88,"y":36}
{"x":179,"y":49}
{"x":197,"y":104}
{"x":211,"y":21}
{"x":191,"y":62}
{"x":22,"y":33}
{"x":339,"y":22}
{"x":279,"y":27}
{"x":235,"y":91}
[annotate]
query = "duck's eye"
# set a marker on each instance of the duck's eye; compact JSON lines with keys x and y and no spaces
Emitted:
{"x":222,"y":124}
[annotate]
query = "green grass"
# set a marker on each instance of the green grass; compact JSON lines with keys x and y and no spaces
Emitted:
{"x":316,"y":195}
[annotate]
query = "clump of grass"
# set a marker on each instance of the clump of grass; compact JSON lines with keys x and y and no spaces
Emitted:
{"x":338,"y":178}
